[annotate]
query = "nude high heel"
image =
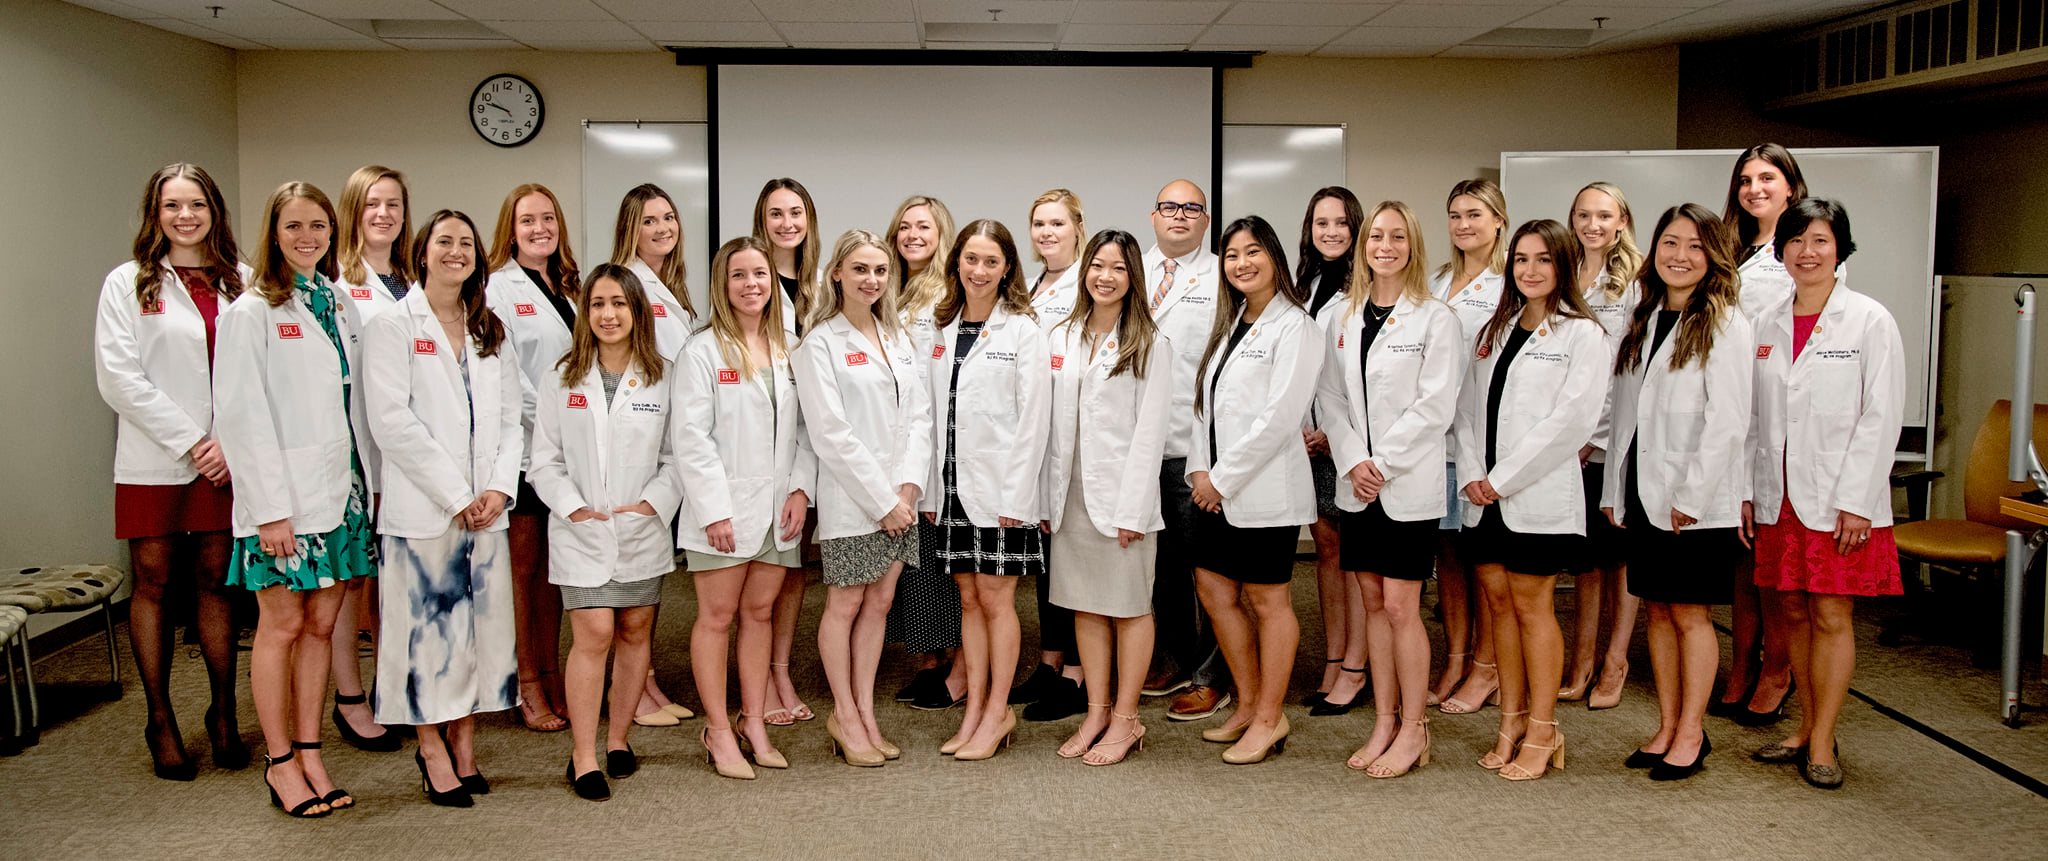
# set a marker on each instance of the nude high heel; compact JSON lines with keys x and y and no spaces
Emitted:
{"x":1515,"y":771}
{"x":869,"y":758}
{"x":1067,"y":752}
{"x":770,"y":758}
{"x":1277,"y":744}
{"x":1430,"y":699}
{"x":1488,"y":761}
{"x":1421,"y":759}
{"x":965,"y":754}
{"x":741,"y":771}
{"x":1133,"y":742}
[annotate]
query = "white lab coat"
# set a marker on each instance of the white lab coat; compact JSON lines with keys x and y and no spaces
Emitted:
{"x":1549,"y":405}
{"x":588,"y":456}
{"x":1261,"y":394}
{"x":1827,"y":423}
{"x":1396,"y":414}
{"x":869,"y":418}
{"x":1003,"y":416}
{"x":1472,"y":306}
{"x":152,"y":368}
{"x":1055,"y":301}
{"x":445,"y":443}
{"x":1689,"y":426}
{"x":1612,"y":314}
{"x":539,"y":335}
{"x":370,"y":297}
{"x":672,"y":324}
{"x":1119,"y":425}
{"x":1762,"y":281}
{"x":279,"y":415}
{"x":922,"y":328}
{"x":1185,"y":317}
{"x":741,"y":454}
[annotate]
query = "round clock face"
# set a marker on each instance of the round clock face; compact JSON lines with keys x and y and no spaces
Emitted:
{"x":506,"y":110}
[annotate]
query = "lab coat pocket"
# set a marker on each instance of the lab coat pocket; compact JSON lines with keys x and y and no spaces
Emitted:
{"x":577,"y":551}
{"x":644,"y":545}
{"x":1684,"y":424}
{"x":1836,"y":386}
{"x":319,"y":477}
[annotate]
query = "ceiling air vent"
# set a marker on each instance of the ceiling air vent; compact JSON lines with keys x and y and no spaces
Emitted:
{"x":2009,"y":26}
{"x":1913,"y":45}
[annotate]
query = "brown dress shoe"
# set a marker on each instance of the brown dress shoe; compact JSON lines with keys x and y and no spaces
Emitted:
{"x":1197,"y":702}
{"x":1163,"y":682}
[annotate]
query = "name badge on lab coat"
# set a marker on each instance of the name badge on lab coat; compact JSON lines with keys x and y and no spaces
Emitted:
{"x":289,"y":331}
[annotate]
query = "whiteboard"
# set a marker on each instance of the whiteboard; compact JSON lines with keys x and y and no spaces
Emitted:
{"x":1272,"y":170}
{"x":1889,"y":192}
{"x":620,"y":155}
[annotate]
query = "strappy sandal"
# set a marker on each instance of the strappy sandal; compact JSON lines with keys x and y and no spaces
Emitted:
{"x":1492,"y":763}
{"x":1429,"y":698}
{"x":1066,"y":751}
{"x":800,"y":711}
{"x":1515,"y":771}
{"x":1456,"y":706}
{"x":336,"y":798}
{"x":302,"y":810}
{"x":1133,"y":741}
{"x":1421,"y":758}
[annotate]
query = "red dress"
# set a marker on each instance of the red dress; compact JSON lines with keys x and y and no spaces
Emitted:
{"x":1793,"y":558}
{"x":158,"y":510}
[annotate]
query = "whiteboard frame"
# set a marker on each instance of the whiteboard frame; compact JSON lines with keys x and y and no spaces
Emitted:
{"x":1925,"y":453}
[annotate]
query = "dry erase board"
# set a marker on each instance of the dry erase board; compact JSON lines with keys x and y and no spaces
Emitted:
{"x":1272,"y":170}
{"x":620,"y":155}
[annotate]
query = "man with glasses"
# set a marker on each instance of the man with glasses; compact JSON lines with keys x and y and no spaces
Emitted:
{"x":1180,"y":282}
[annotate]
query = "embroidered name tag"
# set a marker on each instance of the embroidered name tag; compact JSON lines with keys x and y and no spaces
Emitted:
{"x":288,"y":331}
{"x":652,"y":409}
{"x":156,"y":307}
{"x":660,"y":310}
{"x":1412,"y":349}
{"x":1547,"y":356}
{"x":1058,"y":362}
{"x":1196,"y":298}
{"x":423,"y":346}
{"x":1850,"y":354}
{"x":728,"y":376}
{"x":854,"y":359}
{"x":578,"y":401}
{"x":523,"y":309}
{"x":358,"y":292}
{"x":1763,"y":351}
{"x":1255,"y":353}
{"x":1000,"y":356}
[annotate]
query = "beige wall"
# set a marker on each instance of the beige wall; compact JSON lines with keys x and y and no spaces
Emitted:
{"x":317,"y":116}
{"x":1415,"y":127}
{"x":94,"y":105}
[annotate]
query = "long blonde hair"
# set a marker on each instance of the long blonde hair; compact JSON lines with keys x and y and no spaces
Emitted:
{"x":563,"y":278}
{"x":885,"y":310}
{"x":1489,"y":195}
{"x":626,"y":241}
{"x":1414,"y":274}
{"x":273,"y":274}
{"x":923,"y":289}
{"x":725,"y":320}
{"x":349,"y":242}
{"x":1622,"y":259}
{"x":1072,"y":203}
{"x":576,"y":363}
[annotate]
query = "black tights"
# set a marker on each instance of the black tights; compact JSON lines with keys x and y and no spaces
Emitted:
{"x":203,"y":557}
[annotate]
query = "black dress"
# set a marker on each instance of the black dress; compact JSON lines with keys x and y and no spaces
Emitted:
{"x":1260,"y":555}
{"x":1011,"y":551}
{"x":1696,"y":566}
{"x":1370,"y":540}
{"x":1533,"y":553}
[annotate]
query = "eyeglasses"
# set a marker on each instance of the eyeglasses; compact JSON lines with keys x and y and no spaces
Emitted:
{"x":1171,"y":209}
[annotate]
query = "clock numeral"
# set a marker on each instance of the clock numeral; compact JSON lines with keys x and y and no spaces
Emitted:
{"x":529,"y":124}
{"x":504,"y":136}
{"x":529,"y":98}
{"x":532,"y":112}
{"x":487,"y":96}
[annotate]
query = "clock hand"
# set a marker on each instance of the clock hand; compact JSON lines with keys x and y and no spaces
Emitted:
{"x":508,"y":111}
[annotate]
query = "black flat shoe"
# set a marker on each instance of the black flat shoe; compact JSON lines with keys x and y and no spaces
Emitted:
{"x":384,"y":742}
{"x":590,"y":786}
{"x":1062,"y":699}
{"x":1665,"y":770}
{"x":922,"y":681}
{"x":1726,"y":709}
{"x":1041,"y":684}
{"x":1642,"y":759}
{"x":621,"y":764}
{"x":937,"y":698}
{"x":457,"y":797}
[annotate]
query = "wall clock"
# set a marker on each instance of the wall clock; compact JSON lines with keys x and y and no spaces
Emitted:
{"x":506,"y":110}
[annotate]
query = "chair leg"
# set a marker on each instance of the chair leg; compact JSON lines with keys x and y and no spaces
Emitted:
{"x":113,"y":651}
{"x":28,"y":677}
{"x":14,"y":729}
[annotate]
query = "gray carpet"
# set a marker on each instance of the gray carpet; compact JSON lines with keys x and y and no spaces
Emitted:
{"x":86,"y":790}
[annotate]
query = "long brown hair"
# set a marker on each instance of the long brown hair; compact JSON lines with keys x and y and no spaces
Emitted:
{"x":152,"y":245}
{"x":806,"y":254}
{"x":1134,"y":326}
{"x":626,"y":241}
{"x":1011,"y":293}
{"x":563,"y":278}
{"x":1489,"y":195}
{"x":925,"y":287}
{"x":725,"y":320}
{"x":1712,"y":298}
{"x":1746,"y":226}
{"x":484,"y":326}
{"x":1309,"y":258}
{"x":1230,"y":301}
{"x":1564,"y":301}
{"x":582,"y":355}
{"x":885,"y":310}
{"x":273,"y":273}
{"x":349,"y":242}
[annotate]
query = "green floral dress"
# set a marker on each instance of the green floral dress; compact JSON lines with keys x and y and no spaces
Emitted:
{"x":323,"y":559}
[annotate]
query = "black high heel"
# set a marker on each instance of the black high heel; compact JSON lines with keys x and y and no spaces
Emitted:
{"x":1756,"y":719}
{"x":590,"y":786}
{"x":228,"y":750}
{"x":1642,"y":759}
{"x":304,"y":809}
{"x":457,"y":797}
{"x":1328,"y":707}
{"x":1732,"y":709}
{"x":335,"y":797}
{"x":1317,"y":698}
{"x":384,"y":742}
{"x":1666,"y":770}
{"x":178,"y":771}
{"x":475,"y":783}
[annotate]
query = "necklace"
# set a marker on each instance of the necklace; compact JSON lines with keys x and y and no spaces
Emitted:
{"x":458,"y":316}
{"x":1378,"y":316}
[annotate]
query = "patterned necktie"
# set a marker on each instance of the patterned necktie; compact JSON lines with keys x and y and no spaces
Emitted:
{"x":1165,"y":284}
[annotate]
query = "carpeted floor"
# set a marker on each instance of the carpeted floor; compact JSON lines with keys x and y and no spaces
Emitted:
{"x":86,"y":791}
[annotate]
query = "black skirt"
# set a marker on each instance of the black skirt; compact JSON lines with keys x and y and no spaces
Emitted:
{"x":1325,"y":472}
{"x":1696,"y":566}
{"x":1606,"y":546}
{"x":1537,"y":554}
{"x":1260,"y":555}
{"x":1375,"y":543}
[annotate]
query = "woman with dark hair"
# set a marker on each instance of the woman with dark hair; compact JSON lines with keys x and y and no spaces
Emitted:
{"x":443,"y":394}
{"x":1830,"y":393}
{"x":154,"y":339}
{"x":1766,"y":181}
{"x":1679,"y":409}
{"x":1531,"y":399}
{"x":1110,"y":403}
{"x":1329,"y":238}
{"x":1250,"y":478}
{"x":989,"y":367}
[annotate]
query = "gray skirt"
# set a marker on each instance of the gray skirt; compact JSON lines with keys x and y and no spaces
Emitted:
{"x":859,"y":560}
{"x":613,"y":595}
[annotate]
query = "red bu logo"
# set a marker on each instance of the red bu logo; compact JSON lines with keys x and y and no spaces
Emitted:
{"x":423,"y":346}
{"x":728,"y":376}
{"x":853,"y":359}
{"x":1059,"y":362}
{"x":1763,"y":351}
{"x":288,"y":331}
{"x":359,"y":292}
{"x":578,"y":402}
{"x":156,"y":307}
{"x":660,"y":310}
{"x":1485,"y":350}
{"x":1340,"y":340}
{"x":938,"y":351}
{"x":523,"y":309}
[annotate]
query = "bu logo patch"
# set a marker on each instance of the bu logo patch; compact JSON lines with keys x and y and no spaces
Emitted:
{"x":578,"y":402}
{"x":938,"y":351}
{"x":728,"y":376}
{"x":660,"y":310}
{"x":1058,"y":362}
{"x":853,"y":359}
{"x":1763,"y":351}
{"x":423,"y":346}
{"x":288,"y":331}
{"x":156,"y":307}
{"x":358,"y":292}
{"x":523,"y":309}
{"x":1485,"y":350}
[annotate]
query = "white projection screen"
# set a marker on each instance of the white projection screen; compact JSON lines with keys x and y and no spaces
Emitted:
{"x":985,"y":139}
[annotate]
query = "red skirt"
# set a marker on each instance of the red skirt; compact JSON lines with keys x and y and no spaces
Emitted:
{"x":158,"y":510}
{"x":1793,"y":558}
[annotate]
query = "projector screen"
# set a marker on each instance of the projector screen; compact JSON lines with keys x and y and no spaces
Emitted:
{"x":984,"y":139}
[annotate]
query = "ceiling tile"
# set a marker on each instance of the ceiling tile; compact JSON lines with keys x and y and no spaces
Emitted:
{"x":204,"y":33}
{"x":457,"y":44}
{"x":405,"y":10}
{"x":847,"y":11}
{"x":1694,"y":4}
{"x":116,"y":9}
{"x":976,"y":11}
{"x":567,"y":31}
{"x":629,"y":46}
{"x":1501,"y":53}
{"x":1489,"y":16}
{"x":1581,"y":17}
{"x":331,"y":45}
{"x":1374,"y":51}
{"x":1146,"y":12}
{"x":681,"y":10}
{"x":1117,"y":34}
{"x":1380,"y":37}
{"x":858,"y":46}
{"x":196,"y":10}
{"x":1083,"y":48}
{"x":999,"y":46}
{"x":528,"y":10}
{"x":808,"y":34}
{"x":263,"y":30}
{"x":1237,"y":35}
{"x":1302,"y":14}
{"x":710,"y":32}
